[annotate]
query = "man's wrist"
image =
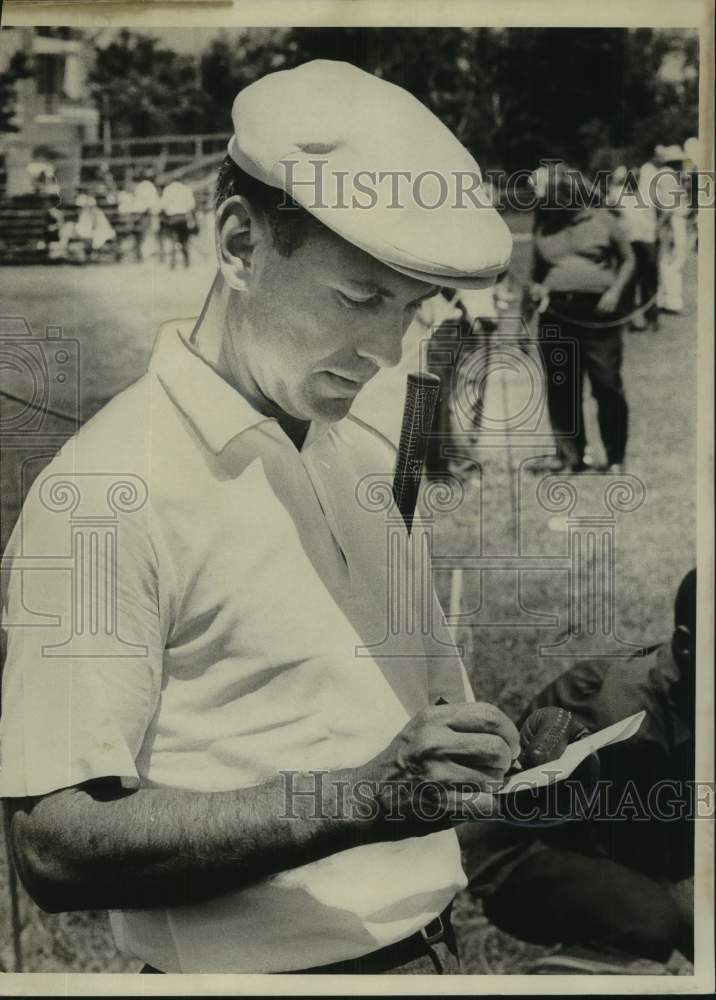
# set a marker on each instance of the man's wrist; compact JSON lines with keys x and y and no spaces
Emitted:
{"x":342,"y":804}
{"x":372,"y":803}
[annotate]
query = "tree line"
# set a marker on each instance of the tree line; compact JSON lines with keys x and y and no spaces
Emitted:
{"x":594,"y":97}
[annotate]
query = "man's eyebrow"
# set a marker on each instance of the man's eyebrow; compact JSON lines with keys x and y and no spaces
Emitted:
{"x":369,"y":286}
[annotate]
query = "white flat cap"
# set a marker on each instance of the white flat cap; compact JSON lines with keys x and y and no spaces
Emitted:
{"x":369,"y":161}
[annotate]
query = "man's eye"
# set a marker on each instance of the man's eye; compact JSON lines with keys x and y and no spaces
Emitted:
{"x":357,"y":303}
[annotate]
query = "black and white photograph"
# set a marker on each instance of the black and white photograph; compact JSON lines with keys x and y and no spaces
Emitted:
{"x":356,"y":457}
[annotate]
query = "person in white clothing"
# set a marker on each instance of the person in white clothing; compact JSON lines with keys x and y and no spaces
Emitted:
{"x":630,"y":195}
{"x":672,"y":204}
{"x":146,"y":209}
{"x":218,"y":733}
{"x":92,"y":226}
{"x":177,"y":208}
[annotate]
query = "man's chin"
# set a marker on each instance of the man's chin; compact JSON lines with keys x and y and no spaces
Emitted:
{"x":331,"y":410}
{"x":326,"y":407}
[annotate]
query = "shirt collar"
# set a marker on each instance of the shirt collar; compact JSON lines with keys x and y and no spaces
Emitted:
{"x":216,"y":410}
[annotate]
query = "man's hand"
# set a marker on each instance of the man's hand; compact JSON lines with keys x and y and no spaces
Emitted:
{"x":450,"y":753}
{"x":609,"y":302}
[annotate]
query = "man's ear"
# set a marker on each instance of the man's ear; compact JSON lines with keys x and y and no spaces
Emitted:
{"x":239,"y":232}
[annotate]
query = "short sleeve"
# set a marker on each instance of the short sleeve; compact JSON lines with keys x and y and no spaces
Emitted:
{"x":84,"y":636}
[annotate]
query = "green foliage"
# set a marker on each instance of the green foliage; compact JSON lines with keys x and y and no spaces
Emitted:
{"x":230,"y":64}
{"x":512,"y":95}
{"x":146,"y":89}
{"x":19,"y":68}
{"x":515,"y":96}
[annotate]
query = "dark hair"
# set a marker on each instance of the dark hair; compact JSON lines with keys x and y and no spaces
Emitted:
{"x":685,"y":603}
{"x":288,"y":221}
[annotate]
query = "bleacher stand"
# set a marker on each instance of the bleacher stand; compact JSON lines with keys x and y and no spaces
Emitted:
{"x":28,"y":224}
{"x":36,"y":228}
{"x":32,"y":225}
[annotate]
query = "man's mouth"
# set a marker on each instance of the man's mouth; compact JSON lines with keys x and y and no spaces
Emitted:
{"x":343,"y":384}
{"x":349,"y":380}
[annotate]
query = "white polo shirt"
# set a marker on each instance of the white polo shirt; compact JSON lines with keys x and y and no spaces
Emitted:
{"x":252,"y":636}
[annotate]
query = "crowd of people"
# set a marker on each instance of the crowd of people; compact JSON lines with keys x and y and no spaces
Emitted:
{"x":168,"y":216}
{"x":603,"y":261}
{"x":656,"y":203}
{"x":139,"y":216}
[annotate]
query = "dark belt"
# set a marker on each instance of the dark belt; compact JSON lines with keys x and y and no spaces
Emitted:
{"x":393,"y":955}
{"x":576,"y":297}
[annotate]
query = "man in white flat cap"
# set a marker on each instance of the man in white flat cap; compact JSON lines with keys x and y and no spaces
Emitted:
{"x":222,"y":738}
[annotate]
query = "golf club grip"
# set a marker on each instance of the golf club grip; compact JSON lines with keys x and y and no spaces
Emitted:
{"x":420,"y":401}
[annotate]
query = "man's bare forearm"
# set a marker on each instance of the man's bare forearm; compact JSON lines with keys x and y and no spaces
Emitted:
{"x":97,"y":847}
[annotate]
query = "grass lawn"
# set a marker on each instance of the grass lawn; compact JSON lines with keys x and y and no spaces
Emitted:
{"x":112,"y":312}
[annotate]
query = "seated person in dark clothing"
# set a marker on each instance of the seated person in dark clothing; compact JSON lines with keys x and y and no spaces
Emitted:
{"x":617,"y":878}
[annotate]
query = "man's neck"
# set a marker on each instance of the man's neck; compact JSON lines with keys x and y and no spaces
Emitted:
{"x":213,"y":338}
{"x":295,"y":430}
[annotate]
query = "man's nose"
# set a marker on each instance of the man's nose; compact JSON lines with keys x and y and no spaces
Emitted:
{"x":383,"y":342}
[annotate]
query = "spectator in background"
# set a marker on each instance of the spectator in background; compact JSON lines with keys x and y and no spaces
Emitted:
{"x":177,"y":208}
{"x":690,"y":172}
{"x":93,"y":227}
{"x":146,"y":208}
{"x":608,"y":881}
{"x":126,"y":207}
{"x":125,"y":201}
{"x":672,"y":203}
{"x":631,"y":199}
{"x":106,"y":186}
{"x":582,"y":265}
